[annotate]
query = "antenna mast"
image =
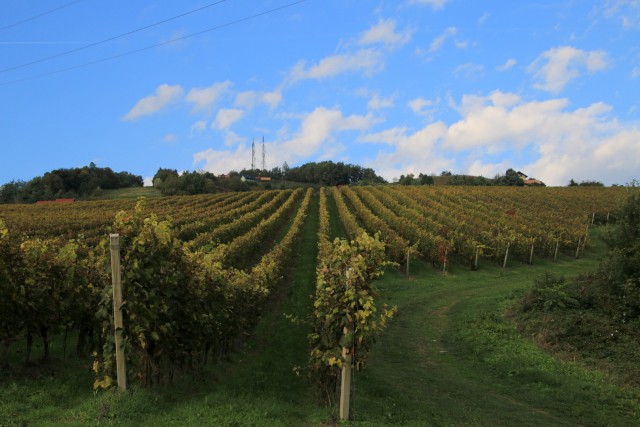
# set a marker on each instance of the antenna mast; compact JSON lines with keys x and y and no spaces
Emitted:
{"x":264,"y":167}
{"x":253,"y":155}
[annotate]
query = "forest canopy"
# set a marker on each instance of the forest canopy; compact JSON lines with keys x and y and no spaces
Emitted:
{"x":68,"y":183}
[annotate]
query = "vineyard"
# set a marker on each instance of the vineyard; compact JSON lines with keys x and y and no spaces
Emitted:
{"x":199,"y":271}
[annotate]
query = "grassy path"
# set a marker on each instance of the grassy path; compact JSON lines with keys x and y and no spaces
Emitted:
{"x":451,"y":358}
{"x":259,"y":386}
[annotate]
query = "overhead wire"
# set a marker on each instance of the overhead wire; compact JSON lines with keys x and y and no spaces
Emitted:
{"x":176,"y":39}
{"x":119,"y":36}
{"x":38,"y":15}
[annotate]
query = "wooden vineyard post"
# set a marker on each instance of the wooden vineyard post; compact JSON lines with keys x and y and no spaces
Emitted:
{"x":531,"y":256}
{"x":444,"y":265}
{"x":345,"y":383}
{"x":593,"y":218}
{"x":506,"y":256}
{"x":475,"y":263}
{"x":114,"y":246}
{"x":586,"y":235}
{"x":555,"y":255}
{"x":578,"y":248}
{"x":607,"y":223}
{"x":408,"y":256}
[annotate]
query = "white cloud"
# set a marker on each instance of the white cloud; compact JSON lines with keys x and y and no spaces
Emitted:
{"x":198,"y":127}
{"x":418,"y":105}
{"x":627,"y":11}
{"x":391,"y":136}
{"x":204,"y":98}
{"x":437,"y":43}
{"x":384,"y":32}
{"x":377,"y":103}
{"x":469,"y":71}
{"x":250,"y":99}
{"x":435,"y":4}
{"x":635,"y":73}
{"x":223,"y":161}
{"x":545,"y":139}
{"x":556,"y":67}
{"x":315,"y":138}
{"x":164,"y":95}
{"x":272,"y":99}
{"x":231,"y":138}
{"x":413,"y":152}
{"x":170,"y":138}
{"x":488,"y":170}
{"x":483,"y":18}
{"x":367,"y":61}
{"x":226,"y":117}
{"x":507,"y":65}
{"x":317,"y":131}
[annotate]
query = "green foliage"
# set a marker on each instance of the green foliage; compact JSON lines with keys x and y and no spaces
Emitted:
{"x":549,"y":292}
{"x":345,"y":311}
{"x":330,"y":173}
{"x":587,"y":183}
{"x":510,"y":178}
{"x":596,"y":315}
{"x":171,"y":184}
{"x":180,"y":306}
{"x":67,"y":183}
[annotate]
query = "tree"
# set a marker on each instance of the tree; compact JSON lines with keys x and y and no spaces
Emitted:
{"x":424,"y":179}
{"x":407,"y":180}
{"x":161,"y":176}
{"x":510,"y":178}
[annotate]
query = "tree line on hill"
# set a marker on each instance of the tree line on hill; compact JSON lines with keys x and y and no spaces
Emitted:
{"x":87,"y":181}
{"x":327,"y":173}
{"x":510,"y":178}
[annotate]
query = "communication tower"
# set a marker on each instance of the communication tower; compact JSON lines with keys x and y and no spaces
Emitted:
{"x":264,"y":166}
{"x":253,"y":154}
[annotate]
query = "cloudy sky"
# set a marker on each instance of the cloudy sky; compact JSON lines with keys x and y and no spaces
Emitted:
{"x":551,"y":88}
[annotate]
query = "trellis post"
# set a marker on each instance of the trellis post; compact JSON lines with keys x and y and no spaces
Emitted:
{"x":506,"y":256}
{"x":114,"y":246}
{"x":345,"y":383}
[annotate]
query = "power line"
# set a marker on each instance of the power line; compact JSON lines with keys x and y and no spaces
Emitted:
{"x":119,"y":36}
{"x":38,"y":15}
{"x":131,"y":52}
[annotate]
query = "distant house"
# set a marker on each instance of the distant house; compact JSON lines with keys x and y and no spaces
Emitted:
{"x":522,"y":176}
{"x":532,"y":182}
{"x":48,"y":202}
{"x":252,"y":178}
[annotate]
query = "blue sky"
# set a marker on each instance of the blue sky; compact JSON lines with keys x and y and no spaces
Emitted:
{"x":551,"y":88}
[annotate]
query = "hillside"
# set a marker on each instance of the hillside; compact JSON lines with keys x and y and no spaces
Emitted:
{"x":243,"y":264}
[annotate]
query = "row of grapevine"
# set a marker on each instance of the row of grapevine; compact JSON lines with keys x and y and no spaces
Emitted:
{"x":182,"y":305}
{"x":324,"y":228}
{"x":347,"y":219}
{"x":240,"y":224}
{"x":207,"y":220}
{"x":472,"y":222}
{"x":243,"y":246}
{"x":346,"y":316}
{"x":396,"y":245}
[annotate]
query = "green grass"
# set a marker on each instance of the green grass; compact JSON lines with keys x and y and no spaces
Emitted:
{"x":130,"y":193}
{"x":449,"y":357}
